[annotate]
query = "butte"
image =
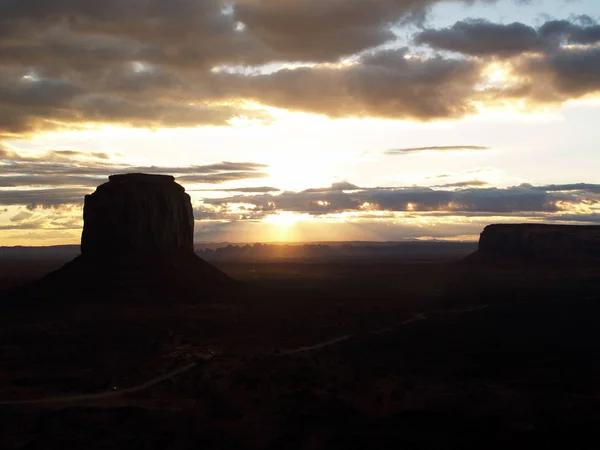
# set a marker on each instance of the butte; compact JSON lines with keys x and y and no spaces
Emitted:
{"x":136,"y":246}
{"x":531,"y":244}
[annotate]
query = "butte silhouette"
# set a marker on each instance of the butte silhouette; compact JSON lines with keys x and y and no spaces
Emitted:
{"x":137,"y":244}
{"x":538,"y":243}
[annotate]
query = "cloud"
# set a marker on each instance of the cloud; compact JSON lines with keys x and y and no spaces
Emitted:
{"x":77,"y":154}
{"x":549,"y":78}
{"x":51,"y":104}
{"x":587,"y":31}
{"x":11,"y":157}
{"x":124,"y":30}
{"x":219,"y":177}
{"x":49,"y":180}
{"x":480,"y":37}
{"x":585,"y":187}
{"x":339,"y":186}
{"x":92,"y":181}
{"x":554,"y":63}
{"x":192,"y":63}
{"x":593,"y":218}
{"x":44,"y":198}
{"x":63,"y":167}
{"x":563,"y":74}
{"x":21,"y":216}
{"x":144,"y":64}
{"x":322,"y":31}
{"x":516,"y":199}
{"x":385,"y":83}
{"x":22,"y":176}
{"x":447,"y":204}
{"x":462,"y":184}
{"x":248,"y":190}
{"x":437,"y":148}
{"x":199,"y":32}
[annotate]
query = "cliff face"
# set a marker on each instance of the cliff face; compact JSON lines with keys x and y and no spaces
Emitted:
{"x":550,"y":243}
{"x":138,"y":212}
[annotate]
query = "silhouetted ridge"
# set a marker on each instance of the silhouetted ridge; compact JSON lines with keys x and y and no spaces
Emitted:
{"x":538,"y":243}
{"x":137,"y":243}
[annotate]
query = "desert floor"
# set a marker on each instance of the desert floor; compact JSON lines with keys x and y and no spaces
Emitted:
{"x":311,"y":356}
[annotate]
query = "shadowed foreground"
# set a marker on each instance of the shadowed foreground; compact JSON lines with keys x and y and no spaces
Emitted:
{"x":316,"y":356}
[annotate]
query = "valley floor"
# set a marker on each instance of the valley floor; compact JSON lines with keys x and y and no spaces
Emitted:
{"x":314,"y":356}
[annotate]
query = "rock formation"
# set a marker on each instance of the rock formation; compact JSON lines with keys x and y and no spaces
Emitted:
{"x":539,"y":243}
{"x":137,"y":212}
{"x":137,"y":243}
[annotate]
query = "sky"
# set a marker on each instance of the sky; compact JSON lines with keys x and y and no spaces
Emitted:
{"x":303,"y":120}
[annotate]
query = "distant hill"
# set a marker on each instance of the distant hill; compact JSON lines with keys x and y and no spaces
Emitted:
{"x":351,"y":251}
{"x":66,"y":252}
{"x":331,"y":251}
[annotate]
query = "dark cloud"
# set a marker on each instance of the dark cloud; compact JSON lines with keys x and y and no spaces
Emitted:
{"x":543,"y":69}
{"x":44,"y":198}
{"x":317,"y":30}
{"x":323,"y":30}
{"x":222,"y":177}
{"x":585,"y":187}
{"x":339,"y":186}
{"x":148,"y":113}
{"x":480,"y":37}
{"x":316,"y":203}
{"x":387,"y":83}
{"x":74,"y":169}
{"x":50,"y":180}
{"x":77,"y":154}
{"x":584,"y":218}
{"x":437,"y":148}
{"x":202,"y":32}
{"x":64,"y":169}
{"x":21,"y":216}
{"x":203,"y":213}
{"x":40,"y":93}
{"x":194,"y":30}
{"x":142,"y":64}
{"x":247,"y":190}
{"x":106,"y":109}
{"x":61,"y":163}
{"x":517,"y":199}
{"x":462,"y":184}
{"x":563,"y":74}
{"x":11,"y":157}
{"x":463,"y":199}
{"x":551,"y":78}
{"x":587,"y":31}
{"x":150,"y":63}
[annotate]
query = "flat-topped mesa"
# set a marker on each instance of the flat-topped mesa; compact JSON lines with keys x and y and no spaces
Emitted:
{"x":539,"y":242}
{"x":135,"y":213}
